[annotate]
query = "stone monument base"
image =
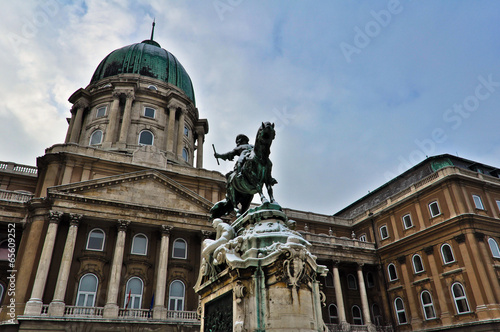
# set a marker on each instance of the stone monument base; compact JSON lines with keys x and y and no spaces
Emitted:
{"x":263,"y":279}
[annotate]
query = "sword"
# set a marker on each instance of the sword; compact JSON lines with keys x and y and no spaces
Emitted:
{"x":216,"y":157}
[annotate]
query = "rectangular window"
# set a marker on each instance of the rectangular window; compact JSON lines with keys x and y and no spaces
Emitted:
{"x":100,"y":112}
{"x":407,"y":221}
{"x":384,"y":234}
{"x":434,"y":209}
{"x":149,"y":112}
{"x":478,"y":202}
{"x":498,"y":205}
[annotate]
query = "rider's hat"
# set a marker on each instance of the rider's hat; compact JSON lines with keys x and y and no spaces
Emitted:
{"x":243,"y":138}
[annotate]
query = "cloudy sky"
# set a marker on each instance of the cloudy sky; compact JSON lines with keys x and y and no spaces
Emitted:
{"x":359,"y":90}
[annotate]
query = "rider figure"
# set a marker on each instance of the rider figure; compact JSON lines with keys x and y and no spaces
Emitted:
{"x":242,"y":150}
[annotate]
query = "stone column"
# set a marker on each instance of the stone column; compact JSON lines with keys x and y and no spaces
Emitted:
{"x":57,"y":305}
{"x":111,"y":307}
{"x":77,"y":123}
{"x":364,"y":299}
{"x":34,"y":305}
{"x":127,"y":113}
{"x":159,"y":311}
{"x":180,"y":135}
{"x":490,"y":270}
{"x":110,"y":134}
{"x":443,"y":300}
{"x":171,"y":129}
{"x":199,"y":151}
{"x":338,"y":295}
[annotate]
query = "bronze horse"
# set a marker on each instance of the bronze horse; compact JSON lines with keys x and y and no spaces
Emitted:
{"x":255,"y":173}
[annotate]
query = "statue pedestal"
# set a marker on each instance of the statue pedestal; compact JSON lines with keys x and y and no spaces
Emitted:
{"x":264,"y":279}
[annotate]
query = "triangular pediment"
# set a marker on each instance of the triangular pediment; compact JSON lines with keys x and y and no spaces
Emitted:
{"x":148,"y":188}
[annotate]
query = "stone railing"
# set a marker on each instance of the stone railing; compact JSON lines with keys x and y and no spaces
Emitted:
{"x":91,"y":312}
{"x":134,"y":313}
{"x":14,"y":196}
{"x":182,"y":315}
{"x":18,"y":168}
{"x":340,"y":241}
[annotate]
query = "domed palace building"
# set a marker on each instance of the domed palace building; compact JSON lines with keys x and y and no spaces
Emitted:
{"x":105,"y":233}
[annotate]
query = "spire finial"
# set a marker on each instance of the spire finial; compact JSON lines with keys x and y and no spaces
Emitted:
{"x":153,"y":29}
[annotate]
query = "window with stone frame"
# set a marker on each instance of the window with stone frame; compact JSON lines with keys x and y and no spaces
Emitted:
{"x":495,"y":250}
{"x":427,"y":305}
{"x":139,"y":245}
{"x":478,"y":203}
{"x":133,"y":293}
{"x":384,"y":233}
{"x":179,"y":249}
{"x":400,"y":311}
{"x":176,"y":294}
{"x":418,"y":265}
{"x":447,"y":254}
{"x":357,"y":318}
{"x":391,"y":271}
{"x":460,"y":298}
{"x":407,"y":222}
{"x":87,"y":290}
{"x":95,"y":240}
{"x":434,"y":209}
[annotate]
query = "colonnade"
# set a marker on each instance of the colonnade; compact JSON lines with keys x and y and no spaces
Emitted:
{"x":340,"y":299}
{"x":111,"y":308}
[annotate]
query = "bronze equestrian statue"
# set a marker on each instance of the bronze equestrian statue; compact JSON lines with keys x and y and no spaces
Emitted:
{"x":251,"y":172}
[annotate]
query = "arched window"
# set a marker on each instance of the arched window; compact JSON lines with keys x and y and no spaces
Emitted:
{"x":152,"y":87}
{"x":400,"y":311}
{"x":133,"y":293}
{"x":357,"y":319}
{"x":146,"y":138}
{"x":176,"y":296}
{"x":461,"y":303}
{"x":96,"y":137}
{"x":4,"y":250}
{"x":87,"y":290}
{"x":377,"y":315}
{"x":95,"y":241}
{"x":351,"y":282}
{"x":329,"y":280}
{"x":180,"y":249}
{"x":418,"y":266}
{"x":391,"y":270}
{"x":495,"y":251}
{"x":370,"y":281}
{"x":333,"y":314}
{"x":427,"y":305}
{"x":185,"y":154}
{"x":447,"y":253}
{"x":139,"y":244}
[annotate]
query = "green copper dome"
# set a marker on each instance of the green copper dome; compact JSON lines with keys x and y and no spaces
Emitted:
{"x":147,"y":59}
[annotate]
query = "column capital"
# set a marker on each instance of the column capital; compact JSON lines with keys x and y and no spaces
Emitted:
{"x":429,"y":250}
{"x":460,"y":238}
{"x":165,"y":229}
{"x":360,"y":266}
{"x":74,"y":219}
{"x":123,"y":224}
{"x":80,"y":103}
{"x":116,"y":94}
{"x":479,"y":236}
{"x":206,"y":234}
{"x":130,"y":95}
{"x":55,"y":216}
